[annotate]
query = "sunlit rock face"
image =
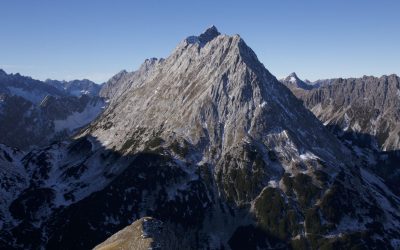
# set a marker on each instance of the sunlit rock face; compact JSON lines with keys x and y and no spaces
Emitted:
{"x":211,"y":145}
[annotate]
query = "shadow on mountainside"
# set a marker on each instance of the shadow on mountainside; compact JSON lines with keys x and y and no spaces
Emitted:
{"x":97,"y":191}
{"x":385,"y":164}
{"x":128,"y":187}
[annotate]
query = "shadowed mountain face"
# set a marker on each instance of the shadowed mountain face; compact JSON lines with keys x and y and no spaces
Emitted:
{"x":367,"y":105}
{"x":35,"y":90}
{"x":365,"y":114}
{"x":212,"y":145}
{"x":34,"y":113}
{"x":26,"y":87}
{"x":145,"y":233}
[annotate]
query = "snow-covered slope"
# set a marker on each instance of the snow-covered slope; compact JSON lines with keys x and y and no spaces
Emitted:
{"x":35,"y":113}
{"x":26,"y":125}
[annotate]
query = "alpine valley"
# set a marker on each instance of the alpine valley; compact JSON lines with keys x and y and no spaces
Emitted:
{"x":204,"y":149}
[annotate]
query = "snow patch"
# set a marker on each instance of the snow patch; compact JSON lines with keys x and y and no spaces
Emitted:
{"x":308,"y":156}
{"x":346,"y":122}
{"x":273,"y":183}
{"x":262,"y":105}
{"x":77,"y":120}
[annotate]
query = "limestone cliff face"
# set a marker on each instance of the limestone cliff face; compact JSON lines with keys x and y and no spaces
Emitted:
{"x":124,"y":81}
{"x":209,"y":142}
{"x":213,"y":92}
{"x":367,"y":105}
{"x":364,"y":113}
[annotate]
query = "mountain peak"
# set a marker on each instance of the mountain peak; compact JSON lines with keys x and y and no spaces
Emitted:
{"x":209,"y":34}
{"x":205,"y":37}
{"x":294,"y":80}
{"x":292,"y":77}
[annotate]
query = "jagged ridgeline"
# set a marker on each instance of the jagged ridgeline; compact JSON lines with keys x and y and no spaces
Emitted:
{"x":368,"y":107}
{"x":364,"y":113}
{"x":214,"y":149}
{"x":35,"y":113}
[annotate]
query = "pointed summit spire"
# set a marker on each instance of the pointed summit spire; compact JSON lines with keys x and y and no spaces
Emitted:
{"x":211,"y":29}
{"x":293,"y":78}
{"x":205,"y":37}
{"x":293,"y":74}
{"x":209,"y":34}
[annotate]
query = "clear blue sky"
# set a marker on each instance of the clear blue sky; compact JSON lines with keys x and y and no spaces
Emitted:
{"x":95,"y":39}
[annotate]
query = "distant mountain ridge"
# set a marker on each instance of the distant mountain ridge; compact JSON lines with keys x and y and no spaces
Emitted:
{"x":34,"y":113}
{"x":294,"y":81}
{"x":26,"y":87}
{"x":368,"y":105}
{"x":365,"y":114}
{"x":208,"y":143}
{"x":76,"y":87}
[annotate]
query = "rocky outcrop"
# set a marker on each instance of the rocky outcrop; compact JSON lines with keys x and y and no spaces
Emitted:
{"x":145,"y":233}
{"x":124,"y":81}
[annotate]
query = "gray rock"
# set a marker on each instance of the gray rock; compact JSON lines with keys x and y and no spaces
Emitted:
{"x":212,"y":143}
{"x":367,"y":105}
{"x":292,"y":81}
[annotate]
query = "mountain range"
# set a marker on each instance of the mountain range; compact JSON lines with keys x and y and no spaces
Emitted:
{"x":204,"y":149}
{"x":367,"y":105}
{"x":364,"y":113}
{"x":35,"y":113}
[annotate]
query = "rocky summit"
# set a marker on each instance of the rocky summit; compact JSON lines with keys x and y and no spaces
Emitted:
{"x":205,"y":148}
